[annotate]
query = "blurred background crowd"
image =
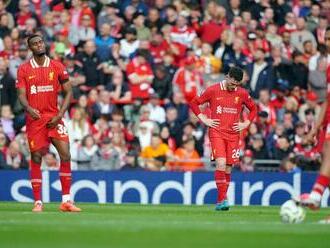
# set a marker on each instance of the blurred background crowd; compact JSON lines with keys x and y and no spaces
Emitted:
{"x":134,"y":65}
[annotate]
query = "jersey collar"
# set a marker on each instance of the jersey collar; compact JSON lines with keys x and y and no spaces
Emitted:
{"x":34,"y":64}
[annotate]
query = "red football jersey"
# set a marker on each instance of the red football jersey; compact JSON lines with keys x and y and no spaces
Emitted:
{"x":42,"y":84}
{"x":327,"y":115}
{"x":226,"y":106}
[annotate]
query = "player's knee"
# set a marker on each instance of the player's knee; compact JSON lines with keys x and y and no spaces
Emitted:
{"x":66,"y":157}
{"x":36,"y":158}
{"x":221,"y":164}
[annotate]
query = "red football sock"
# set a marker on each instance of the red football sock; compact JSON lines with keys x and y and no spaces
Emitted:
{"x":65,"y":177}
{"x":220,"y":180}
{"x":228,"y":179}
{"x":322,"y":182}
{"x":35,"y":175}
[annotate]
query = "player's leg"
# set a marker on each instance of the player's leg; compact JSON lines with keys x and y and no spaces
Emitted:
{"x":36,"y":179}
{"x":218,"y":152}
{"x":232,"y":152}
{"x":63,"y":150}
{"x":313,"y":200}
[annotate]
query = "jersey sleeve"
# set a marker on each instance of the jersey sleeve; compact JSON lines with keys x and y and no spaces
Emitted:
{"x":250,"y":104}
{"x":63,"y":75}
{"x":199,"y":100}
{"x":20,"y":82}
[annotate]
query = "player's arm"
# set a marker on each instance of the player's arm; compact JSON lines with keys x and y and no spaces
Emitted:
{"x":250,"y":104}
{"x":21,"y":85}
{"x":199,"y":100}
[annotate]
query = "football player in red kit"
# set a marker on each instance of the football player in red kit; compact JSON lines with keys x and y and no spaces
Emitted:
{"x":39,"y":81}
{"x":313,"y":200}
{"x":226,"y":101}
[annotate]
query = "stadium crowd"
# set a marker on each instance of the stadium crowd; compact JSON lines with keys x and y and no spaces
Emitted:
{"x":134,"y":65}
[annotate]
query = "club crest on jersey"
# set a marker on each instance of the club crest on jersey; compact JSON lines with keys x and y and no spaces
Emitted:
{"x":236,"y":100}
{"x":33,"y":89}
{"x":51,"y":76}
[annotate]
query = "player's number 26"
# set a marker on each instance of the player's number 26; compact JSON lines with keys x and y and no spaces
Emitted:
{"x":236,"y":153}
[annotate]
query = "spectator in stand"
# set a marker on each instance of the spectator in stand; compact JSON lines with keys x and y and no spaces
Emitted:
{"x":313,"y":19}
{"x":129,"y":44}
{"x":86,"y":152}
{"x":167,"y":138}
{"x":178,"y":102}
{"x":286,"y":47}
{"x":299,"y":74}
{"x":317,"y":81}
{"x":283,"y":148}
{"x":265,"y":105}
{"x":155,"y":155}
{"x":108,"y":14}
{"x":162,"y":83}
{"x":50,"y":162}
{"x":14,"y":158}
{"x":258,"y":147}
{"x":21,"y":139}
{"x":247,"y":163}
{"x":24,"y":14}
{"x":103,"y":42}
{"x":260,"y":74}
{"x":8,"y":93}
{"x":186,"y":157}
{"x":299,"y":36}
{"x":319,"y":31}
{"x":78,"y":126}
{"x":173,"y":123}
{"x":142,"y":32}
{"x":4,"y":141}
{"x":289,"y":165}
{"x":235,"y":57}
{"x":140,"y":75}
{"x":85,"y":32}
{"x":157,"y":112}
{"x":102,"y":106}
{"x":7,"y":121}
{"x":182,"y":33}
{"x":311,"y":103}
{"x":16,"y":61}
{"x":118,"y":88}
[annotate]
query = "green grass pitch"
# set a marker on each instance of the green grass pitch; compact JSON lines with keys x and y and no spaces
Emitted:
{"x":144,"y":226}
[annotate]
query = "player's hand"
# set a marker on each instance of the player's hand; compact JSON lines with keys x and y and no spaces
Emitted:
{"x":53,"y":122}
{"x":310,"y":137}
{"x":211,"y":122}
{"x":34,"y":113}
{"x":239,"y":126}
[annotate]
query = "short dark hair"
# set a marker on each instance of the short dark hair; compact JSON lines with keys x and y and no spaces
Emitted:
{"x":31,"y":37}
{"x":236,"y":73}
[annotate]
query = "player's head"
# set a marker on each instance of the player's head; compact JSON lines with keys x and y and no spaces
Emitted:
{"x":37,"y":44}
{"x":327,"y":38}
{"x":234,"y":78}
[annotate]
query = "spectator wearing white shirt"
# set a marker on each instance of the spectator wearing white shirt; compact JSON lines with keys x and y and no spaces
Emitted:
{"x":129,"y":44}
{"x":157,"y":113}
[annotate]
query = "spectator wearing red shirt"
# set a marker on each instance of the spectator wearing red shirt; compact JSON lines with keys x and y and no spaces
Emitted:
{"x":24,"y":14}
{"x":158,"y":47}
{"x":140,"y":75}
{"x":182,"y":33}
{"x":187,"y":79}
{"x":266,"y":106}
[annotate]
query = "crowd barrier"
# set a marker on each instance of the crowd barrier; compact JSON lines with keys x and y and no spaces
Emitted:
{"x":258,"y":188}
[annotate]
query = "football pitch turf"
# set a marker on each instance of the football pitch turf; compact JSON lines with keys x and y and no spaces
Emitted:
{"x":131,"y":225}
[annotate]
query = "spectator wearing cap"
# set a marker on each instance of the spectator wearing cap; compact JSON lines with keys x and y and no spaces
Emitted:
{"x":317,"y":80}
{"x":103,"y":42}
{"x":187,"y":79}
{"x":299,"y":74}
{"x":311,"y":103}
{"x":8,"y":92}
{"x":157,"y":112}
{"x":299,"y":36}
{"x":247,"y":163}
{"x":76,"y":75}
{"x":143,"y":32}
{"x":131,"y":162}
{"x":260,"y":74}
{"x":130,"y":43}
{"x":18,"y":59}
{"x":182,"y":33}
{"x":90,"y":63}
{"x":140,"y":75}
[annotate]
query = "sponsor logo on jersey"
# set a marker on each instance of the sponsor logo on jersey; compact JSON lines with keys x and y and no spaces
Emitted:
{"x":51,"y":76}
{"x":41,"y":89}
{"x":226,"y":110}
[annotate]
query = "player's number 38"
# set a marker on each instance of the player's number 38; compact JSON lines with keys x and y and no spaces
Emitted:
{"x":236,"y":153}
{"x":61,"y":129}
